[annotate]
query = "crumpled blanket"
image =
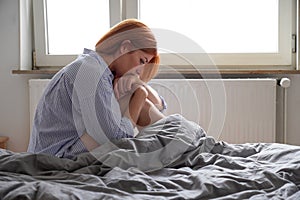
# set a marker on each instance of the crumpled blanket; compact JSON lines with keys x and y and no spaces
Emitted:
{"x":171,"y":159}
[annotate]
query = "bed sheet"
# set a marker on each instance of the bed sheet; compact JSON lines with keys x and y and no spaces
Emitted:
{"x":172,"y":159}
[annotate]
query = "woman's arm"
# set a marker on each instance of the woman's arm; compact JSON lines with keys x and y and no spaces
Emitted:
{"x":135,"y":98}
{"x":139,"y":109}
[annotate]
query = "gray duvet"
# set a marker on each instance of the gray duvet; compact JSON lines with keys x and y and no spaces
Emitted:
{"x":171,"y":159}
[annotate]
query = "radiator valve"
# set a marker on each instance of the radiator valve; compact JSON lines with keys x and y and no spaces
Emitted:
{"x":285,"y":82}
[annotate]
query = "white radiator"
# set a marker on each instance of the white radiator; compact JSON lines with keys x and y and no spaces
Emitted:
{"x":36,"y":89}
{"x":232,"y":110}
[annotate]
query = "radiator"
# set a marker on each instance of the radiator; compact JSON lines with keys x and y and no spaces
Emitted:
{"x":232,"y":110}
{"x":36,"y":89}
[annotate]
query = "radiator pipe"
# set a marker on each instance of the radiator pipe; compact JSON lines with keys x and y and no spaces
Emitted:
{"x":284,"y":83}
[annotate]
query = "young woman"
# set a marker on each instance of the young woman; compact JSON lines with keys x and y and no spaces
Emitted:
{"x":81,"y":107}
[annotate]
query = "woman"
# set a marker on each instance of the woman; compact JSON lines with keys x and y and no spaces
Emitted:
{"x":80,"y":108}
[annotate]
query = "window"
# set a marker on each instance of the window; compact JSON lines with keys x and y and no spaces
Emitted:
{"x":231,"y":33}
{"x":64,"y":27}
{"x":219,"y":26}
{"x":69,"y":33}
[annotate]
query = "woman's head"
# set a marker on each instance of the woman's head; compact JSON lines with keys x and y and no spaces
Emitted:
{"x":131,"y":40}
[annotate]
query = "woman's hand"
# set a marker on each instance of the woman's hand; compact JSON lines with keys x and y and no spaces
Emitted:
{"x":126,"y":84}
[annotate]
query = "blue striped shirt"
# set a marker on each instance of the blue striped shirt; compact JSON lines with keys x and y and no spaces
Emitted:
{"x":79,"y":99}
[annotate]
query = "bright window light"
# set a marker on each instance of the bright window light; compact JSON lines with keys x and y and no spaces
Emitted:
{"x":75,"y":24}
{"x":218,"y":26}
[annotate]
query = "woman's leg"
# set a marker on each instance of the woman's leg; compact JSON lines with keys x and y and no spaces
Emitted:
{"x":149,"y":114}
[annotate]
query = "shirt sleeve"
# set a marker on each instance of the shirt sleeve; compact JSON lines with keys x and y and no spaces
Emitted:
{"x":109,"y":114}
{"x":164,"y":104}
{"x":98,"y":106}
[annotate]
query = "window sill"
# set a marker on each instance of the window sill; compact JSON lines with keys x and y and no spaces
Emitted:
{"x":37,"y":71}
{"x":181,"y":72}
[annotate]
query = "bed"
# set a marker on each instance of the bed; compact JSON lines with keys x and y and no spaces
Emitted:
{"x":171,"y":159}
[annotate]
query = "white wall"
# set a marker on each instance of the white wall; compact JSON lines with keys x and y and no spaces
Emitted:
{"x":14,"y":109}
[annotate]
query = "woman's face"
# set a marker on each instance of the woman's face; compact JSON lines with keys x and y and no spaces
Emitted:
{"x":133,"y":62}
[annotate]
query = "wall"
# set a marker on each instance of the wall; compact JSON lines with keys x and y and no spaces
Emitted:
{"x":14,"y":109}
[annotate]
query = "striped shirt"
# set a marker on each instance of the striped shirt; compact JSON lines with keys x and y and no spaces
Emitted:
{"x":79,"y":99}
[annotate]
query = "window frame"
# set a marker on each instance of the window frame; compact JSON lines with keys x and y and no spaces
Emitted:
{"x":122,"y":9}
